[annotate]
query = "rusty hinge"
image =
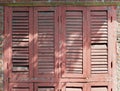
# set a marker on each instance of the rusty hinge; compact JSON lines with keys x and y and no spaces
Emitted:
{"x":111,"y":64}
{"x":111,"y":19}
{"x":111,"y":89}
{"x":59,"y":90}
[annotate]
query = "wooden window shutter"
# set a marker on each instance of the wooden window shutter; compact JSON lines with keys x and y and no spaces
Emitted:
{"x":73,"y":61}
{"x":60,"y":48}
{"x":102,"y":37}
{"x":20,"y":43}
{"x":46,"y":87}
{"x":73,"y":87}
{"x":46,"y":43}
{"x":99,"y":86}
{"x":99,"y":41}
{"x":21,"y":87}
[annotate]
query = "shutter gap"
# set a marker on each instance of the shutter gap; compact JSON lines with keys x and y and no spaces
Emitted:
{"x":99,"y":44}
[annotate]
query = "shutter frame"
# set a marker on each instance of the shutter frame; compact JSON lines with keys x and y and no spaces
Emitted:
{"x":14,"y":77}
{"x":52,"y":77}
{"x":6,"y":50}
{"x":63,"y":39}
{"x":111,"y":50}
{"x":60,"y":81}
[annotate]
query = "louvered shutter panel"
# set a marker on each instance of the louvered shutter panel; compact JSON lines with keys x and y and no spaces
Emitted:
{"x":99,"y":41}
{"x":21,"y":44}
{"x":69,"y":48}
{"x":73,"y":42}
{"x":73,"y":87}
{"x":46,"y":87}
{"x":101,"y":38}
{"x":21,"y":87}
{"x":46,"y":43}
{"x":99,"y":86}
{"x":92,"y":86}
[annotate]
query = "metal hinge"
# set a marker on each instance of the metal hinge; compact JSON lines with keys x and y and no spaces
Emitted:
{"x":59,"y":90}
{"x":111,"y":18}
{"x":111,"y":64}
{"x":111,"y":89}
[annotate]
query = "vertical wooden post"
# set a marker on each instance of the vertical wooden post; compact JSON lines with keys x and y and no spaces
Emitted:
{"x":7,"y":46}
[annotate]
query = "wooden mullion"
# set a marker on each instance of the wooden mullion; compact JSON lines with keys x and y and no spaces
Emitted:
{"x":35,"y":42}
{"x":112,"y":45}
{"x":110,"y":41}
{"x":10,"y":43}
{"x":7,"y":46}
{"x":62,"y":40}
{"x":56,"y":43}
{"x":114,"y":74}
{"x":31,"y":42}
{"x":59,"y":43}
{"x":87,"y":44}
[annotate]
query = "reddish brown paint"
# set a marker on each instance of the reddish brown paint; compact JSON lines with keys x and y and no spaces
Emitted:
{"x":59,"y":80}
{"x":6,"y":50}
